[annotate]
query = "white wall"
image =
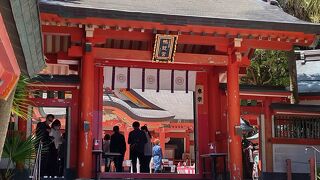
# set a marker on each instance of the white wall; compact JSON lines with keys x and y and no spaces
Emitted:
{"x":298,"y":155}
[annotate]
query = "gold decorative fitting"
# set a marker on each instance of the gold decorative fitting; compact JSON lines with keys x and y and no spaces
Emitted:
{"x":237,"y":42}
{"x":118,"y":28}
{"x":104,"y":27}
{"x":89,"y":30}
{"x":238,"y":56}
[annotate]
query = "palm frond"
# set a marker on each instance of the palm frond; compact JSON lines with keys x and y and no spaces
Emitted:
{"x":18,"y":149}
{"x":20,"y":101}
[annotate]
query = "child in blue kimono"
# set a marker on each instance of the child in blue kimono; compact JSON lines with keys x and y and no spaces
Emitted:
{"x":157,"y":156}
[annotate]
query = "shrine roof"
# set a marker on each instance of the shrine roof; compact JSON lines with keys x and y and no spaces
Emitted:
{"x":248,"y":14}
{"x":179,"y":103}
{"x":296,"y":107}
{"x":138,"y":113}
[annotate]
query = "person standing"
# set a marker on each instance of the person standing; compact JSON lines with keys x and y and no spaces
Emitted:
{"x":118,"y":145}
{"x":55,"y":135}
{"x":137,"y":139}
{"x":157,"y":156}
{"x":106,"y":149}
{"x":61,"y":154}
{"x":147,"y":150}
{"x":42,"y":132}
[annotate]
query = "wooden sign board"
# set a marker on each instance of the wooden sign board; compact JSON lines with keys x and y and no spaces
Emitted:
{"x":164,"y":48}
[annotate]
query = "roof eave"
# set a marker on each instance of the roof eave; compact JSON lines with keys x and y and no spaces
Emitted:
{"x":23,"y":25}
{"x":75,"y":12}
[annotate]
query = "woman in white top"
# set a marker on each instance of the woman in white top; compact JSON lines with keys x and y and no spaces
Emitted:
{"x":54,"y":146}
{"x":55,"y":133}
{"x":147,"y":151}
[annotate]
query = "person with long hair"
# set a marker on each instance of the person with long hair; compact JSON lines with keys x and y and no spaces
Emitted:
{"x":55,"y":135}
{"x":147,"y":150}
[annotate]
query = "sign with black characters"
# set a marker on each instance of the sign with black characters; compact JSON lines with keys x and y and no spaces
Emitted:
{"x":164,"y":48}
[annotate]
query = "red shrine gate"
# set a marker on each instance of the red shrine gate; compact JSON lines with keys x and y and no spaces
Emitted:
{"x":100,"y":37}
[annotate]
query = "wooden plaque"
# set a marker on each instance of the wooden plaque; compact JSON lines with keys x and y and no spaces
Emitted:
{"x":164,"y":48}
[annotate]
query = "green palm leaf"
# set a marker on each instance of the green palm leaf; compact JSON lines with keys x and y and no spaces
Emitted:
{"x":20,"y":100}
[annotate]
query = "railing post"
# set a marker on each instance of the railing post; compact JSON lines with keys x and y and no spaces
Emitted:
{"x":312,"y":163}
{"x":289,"y":170}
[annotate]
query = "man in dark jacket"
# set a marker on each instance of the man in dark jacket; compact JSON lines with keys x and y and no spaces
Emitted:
{"x":137,"y":138}
{"x":118,"y":145}
{"x":42,"y":133}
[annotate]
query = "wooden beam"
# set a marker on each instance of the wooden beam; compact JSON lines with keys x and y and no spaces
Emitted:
{"x":125,"y":175}
{"x":262,"y":94}
{"x":202,"y":40}
{"x":176,"y":134}
{"x":220,"y":43}
{"x":146,"y":56}
{"x":314,"y":97}
{"x":75,"y":51}
{"x":51,"y":102}
{"x":101,"y":35}
{"x":297,"y":113}
{"x":141,"y":64}
{"x":251,"y":109}
{"x":52,"y":87}
{"x":295,"y":141}
{"x":265,"y":44}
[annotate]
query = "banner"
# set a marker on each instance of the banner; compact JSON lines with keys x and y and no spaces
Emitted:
{"x":141,"y":78}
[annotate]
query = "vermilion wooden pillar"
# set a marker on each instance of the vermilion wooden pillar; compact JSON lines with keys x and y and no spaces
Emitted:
{"x":126,"y":135}
{"x":235,"y":153}
{"x":98,"y":106}
{"x":86,"y":112}
{"x":268,"y":135}
{"x":187,"y":150}
{"x":202,"y":130}
{"x":74,"y":126}
{"x":214,"y":105}
{"x":162,"y":138}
